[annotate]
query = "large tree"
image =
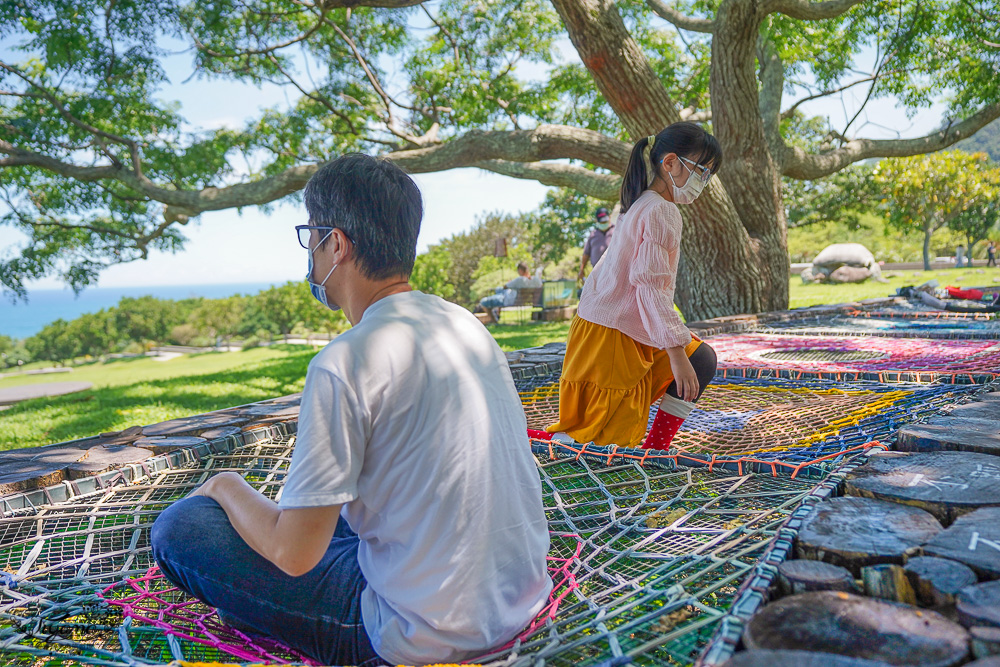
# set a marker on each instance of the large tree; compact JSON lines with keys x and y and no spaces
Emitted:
{"x":98,"y":169}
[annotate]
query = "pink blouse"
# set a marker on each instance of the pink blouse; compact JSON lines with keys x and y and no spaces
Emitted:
{"x":632,"y":288}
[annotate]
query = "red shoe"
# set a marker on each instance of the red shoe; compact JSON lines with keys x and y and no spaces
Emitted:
{"x":663,"y":430}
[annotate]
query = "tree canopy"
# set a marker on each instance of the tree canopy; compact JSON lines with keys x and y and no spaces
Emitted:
{"x":97,"y":168}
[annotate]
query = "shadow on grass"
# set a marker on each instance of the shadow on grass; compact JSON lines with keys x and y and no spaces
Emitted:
{"x":519,"y":336}
{"x":46,"y":420}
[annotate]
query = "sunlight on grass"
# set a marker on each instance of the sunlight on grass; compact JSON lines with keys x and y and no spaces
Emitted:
{"x":145,"y":391}
{"x":811,"y":295}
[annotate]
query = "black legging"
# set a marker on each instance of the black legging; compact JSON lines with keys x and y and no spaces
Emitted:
{"x":704,"y":363}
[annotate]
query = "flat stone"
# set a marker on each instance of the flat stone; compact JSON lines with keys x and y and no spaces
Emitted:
{"x":162,"y":445}
{"x":859,"y":627}
{"x":988,"y":426}
{"x":974,"y":539}
{"x":946,"y":484}
{"x":979,"y":605}
{"x":979,"y":410}
{"x":265,"y":410}
{"x":102,"y":459}
{"x":128,"y":436}
{"x":18,"y":476}
{"x":191,"y":425}
{"x":856,"y":532}
{"x":49,"y":454}
{"x":936,"y":438}
{"x":793,"y":658}
{"x":11,"y":395}
{"x":223,"y":432}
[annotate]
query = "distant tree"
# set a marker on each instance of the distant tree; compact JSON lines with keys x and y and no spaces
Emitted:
{"x":927,"y":192}
{"x":981,"y":220}
{"x":278,"y":309}
{"x":841,"y":197}
{"x":562,"y":222}
{"x":98,"y":166}
{"x":220,"y":317}
{"x":432,"y":273}
{"x":95,"y":333}
{"x":146,"y":318}
{"x":54,"y":342}
{"x":467,"y":249}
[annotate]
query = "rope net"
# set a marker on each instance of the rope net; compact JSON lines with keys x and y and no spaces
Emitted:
{"x":651,"y":551}
{"x":919,"y":310}
{"x":647,"y":557}
{"x":943,"y":327}
{"x":773,"y":419}
{"x":853,"y":357}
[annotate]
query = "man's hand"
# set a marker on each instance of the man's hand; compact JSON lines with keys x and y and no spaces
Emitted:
{"x":684,"y":375}
{"x":294,"y":540}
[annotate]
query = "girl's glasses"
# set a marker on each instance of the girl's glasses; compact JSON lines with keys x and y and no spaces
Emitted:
{"x":701,"y":171}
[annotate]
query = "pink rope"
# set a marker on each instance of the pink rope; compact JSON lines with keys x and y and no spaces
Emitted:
{"x":563,"y":583}
{"x":183,"y":620}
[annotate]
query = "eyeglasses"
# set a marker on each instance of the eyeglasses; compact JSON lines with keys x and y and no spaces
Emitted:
{"x":305,"y":234}
{"x":699,"y":170}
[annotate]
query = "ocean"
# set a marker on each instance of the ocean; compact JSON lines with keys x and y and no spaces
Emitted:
{"x":21,"y":320}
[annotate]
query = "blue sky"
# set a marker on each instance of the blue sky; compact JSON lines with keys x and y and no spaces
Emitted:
{"x":229,"y":247}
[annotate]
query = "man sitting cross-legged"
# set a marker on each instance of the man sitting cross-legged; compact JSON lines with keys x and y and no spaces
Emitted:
{"x":410,"y":528}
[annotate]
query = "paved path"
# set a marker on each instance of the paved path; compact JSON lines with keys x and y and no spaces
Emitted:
{"x":12,"y":395}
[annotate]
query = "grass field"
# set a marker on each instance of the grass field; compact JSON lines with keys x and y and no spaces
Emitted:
{"x":145,"y":391}
{"x":810,"y":295}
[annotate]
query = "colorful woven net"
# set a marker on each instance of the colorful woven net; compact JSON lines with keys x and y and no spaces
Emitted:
{"x":654,"y":553}
{"x":772,"y":419}
{"x":647,"y":559}
{"x":943,"y":327}
{"x":855,"y":357}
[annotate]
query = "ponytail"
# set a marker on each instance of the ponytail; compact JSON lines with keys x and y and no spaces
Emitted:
{"x":684,"y":139}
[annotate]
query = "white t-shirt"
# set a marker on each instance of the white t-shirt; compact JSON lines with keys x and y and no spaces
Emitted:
{"x":411,"y":418}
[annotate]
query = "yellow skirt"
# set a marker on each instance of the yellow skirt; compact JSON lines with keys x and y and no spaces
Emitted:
{"x":608,"y":383}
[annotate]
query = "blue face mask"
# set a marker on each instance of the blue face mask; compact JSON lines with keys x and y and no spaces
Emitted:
{"x":318,"y":289}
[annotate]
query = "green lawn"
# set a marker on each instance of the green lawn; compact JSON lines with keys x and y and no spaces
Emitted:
{"x":810,"y":295}
{"x":144,"y":391}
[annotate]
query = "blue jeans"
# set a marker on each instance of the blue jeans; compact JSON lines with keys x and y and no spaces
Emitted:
{"x":318,"y":613}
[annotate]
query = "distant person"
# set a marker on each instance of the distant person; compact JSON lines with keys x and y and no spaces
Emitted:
{"x":991,"y":254}
{"x":507,"y":295}
{"x":959,"y":256}
{"x":597,"y":241}
{"x":628,"y":348}
{"x":410,"y":528}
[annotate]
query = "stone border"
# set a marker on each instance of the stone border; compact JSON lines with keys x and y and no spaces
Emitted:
{"x":27,"y":501}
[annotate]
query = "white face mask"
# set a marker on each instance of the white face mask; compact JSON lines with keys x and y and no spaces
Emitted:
{"x":692,"y":189}
{"x":318,"y":290}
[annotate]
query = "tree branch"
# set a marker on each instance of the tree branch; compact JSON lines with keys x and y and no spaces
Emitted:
{"x":787,"y":113}
{"x":267,"y":50}
{"x":808,"y":11}
{"x":682,"y":21}
{"x":385,"y":4}
{"x":547,"y":142}
{"x":797,"y":163}
{"x":601,"y":186}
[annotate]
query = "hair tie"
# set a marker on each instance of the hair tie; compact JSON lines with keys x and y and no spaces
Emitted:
{"x":650,"y":174}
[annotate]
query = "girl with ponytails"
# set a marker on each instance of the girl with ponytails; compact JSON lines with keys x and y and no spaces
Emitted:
{"x":628,"y":347}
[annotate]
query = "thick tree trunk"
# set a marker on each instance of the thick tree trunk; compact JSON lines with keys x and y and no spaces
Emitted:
{"x":927,"y":248}
{"x":733,"y":251}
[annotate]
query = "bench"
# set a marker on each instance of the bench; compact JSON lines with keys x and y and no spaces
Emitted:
{"x":526,"y":301}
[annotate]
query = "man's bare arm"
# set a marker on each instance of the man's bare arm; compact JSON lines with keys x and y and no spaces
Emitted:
{"x":293,"y":539}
